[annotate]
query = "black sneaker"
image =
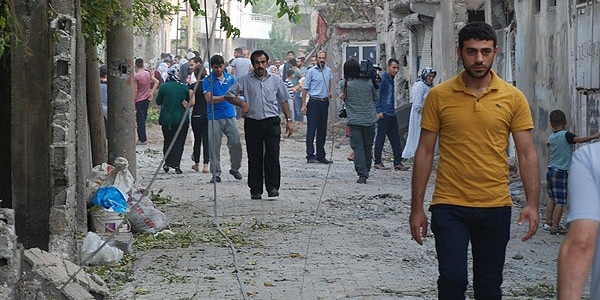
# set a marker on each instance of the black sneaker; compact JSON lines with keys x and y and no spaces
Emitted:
{"x":255,"y":197}
{"x":236,"y":174}
{"x":216,"y":178}
{"x":324,"y":161}
{"x":273,"y":193}
{"x":362,"y":180}
{"x":312,"y":161}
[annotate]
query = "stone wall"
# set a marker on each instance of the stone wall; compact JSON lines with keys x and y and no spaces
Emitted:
{"x":63,"y":161}
{"x":10,"y":255}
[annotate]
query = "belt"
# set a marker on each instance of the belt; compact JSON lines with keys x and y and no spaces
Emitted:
{"x":320,"y":99}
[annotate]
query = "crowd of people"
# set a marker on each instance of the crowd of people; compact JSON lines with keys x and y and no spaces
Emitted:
{"x":309,"y":86}
{"x":466,"y":121}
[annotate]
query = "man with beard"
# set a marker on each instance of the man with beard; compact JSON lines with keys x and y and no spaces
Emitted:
{"x":473,"y":114}
{"x":263,"y":94}
{"x":316,"y":93}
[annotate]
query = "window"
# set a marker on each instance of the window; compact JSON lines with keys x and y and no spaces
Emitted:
{"x":476,"y":15}
{"x":360,"y":51}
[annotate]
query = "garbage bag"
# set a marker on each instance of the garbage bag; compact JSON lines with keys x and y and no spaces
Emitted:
{"x":96,"y":179}
{"x":108,"y":255}
{"x":110,"y":197}
{"x":145,"y":217}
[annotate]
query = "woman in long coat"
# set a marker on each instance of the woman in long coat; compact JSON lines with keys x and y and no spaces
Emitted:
{"x":417,"y":98}
{"x":173,"y":98}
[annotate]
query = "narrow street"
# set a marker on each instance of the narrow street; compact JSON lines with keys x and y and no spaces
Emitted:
{"x":324,"y":237}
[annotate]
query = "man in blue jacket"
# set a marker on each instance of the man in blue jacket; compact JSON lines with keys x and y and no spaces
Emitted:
{"x":387,"y":124}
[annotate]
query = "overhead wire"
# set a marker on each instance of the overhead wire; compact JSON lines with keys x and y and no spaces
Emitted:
{"x":238,"y":272}
{"x":316,"y":212}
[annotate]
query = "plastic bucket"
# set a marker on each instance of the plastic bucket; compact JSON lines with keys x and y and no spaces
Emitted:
{"x":108,"y":221}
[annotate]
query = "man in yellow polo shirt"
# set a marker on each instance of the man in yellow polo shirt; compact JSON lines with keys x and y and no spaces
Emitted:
{"x":473,"y":114}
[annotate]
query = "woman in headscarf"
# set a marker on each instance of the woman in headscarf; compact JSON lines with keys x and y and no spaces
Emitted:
{"x":199,"y":120}
{"x":162,"y":70}
{"x":417,"y":98}
{"x":173,"y":98}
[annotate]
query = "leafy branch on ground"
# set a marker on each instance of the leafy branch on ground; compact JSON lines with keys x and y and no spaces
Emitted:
{"x":115,"y":276}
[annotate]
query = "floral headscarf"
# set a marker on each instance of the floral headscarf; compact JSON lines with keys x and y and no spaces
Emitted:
{"x":173,"y":73}
{"x":426,"y":71}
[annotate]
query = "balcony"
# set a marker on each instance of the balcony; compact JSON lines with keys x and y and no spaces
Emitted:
{"x":254,"y":26}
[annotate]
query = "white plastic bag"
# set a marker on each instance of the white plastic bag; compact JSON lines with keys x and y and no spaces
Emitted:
{"x":120,"y":177}
{"x":108,"y":255}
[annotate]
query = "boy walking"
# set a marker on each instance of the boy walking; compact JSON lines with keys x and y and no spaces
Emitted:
{"x":560,"y":144}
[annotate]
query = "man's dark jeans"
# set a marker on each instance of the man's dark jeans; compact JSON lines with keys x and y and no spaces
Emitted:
{"x":141,"y":113}
{"x":316,"y":117}
{"x":488,"y":229}
{"x":388,"y":125}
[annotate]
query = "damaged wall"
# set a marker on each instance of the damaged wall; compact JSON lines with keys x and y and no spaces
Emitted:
{"x":563,"y":77}
{"x":70,"y":154}
{"x":344,"y":33}
{"x":50,"y":135}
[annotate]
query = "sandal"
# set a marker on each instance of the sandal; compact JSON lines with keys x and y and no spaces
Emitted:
{"x":195,"y":168}
{"x":166,"y":168}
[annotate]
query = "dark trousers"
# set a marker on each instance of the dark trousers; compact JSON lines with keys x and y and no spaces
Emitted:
{"x":200,"y":129}
{"x":361,"y":141}
{"x":262,"y":145}
{"x":388,"y":126}
{"x":488,"y":229}
{"x":316,"y":118}
{"x":141,"y":113}
{"x":174,"y":158}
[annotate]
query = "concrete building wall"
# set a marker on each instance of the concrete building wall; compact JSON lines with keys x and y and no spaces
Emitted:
{"x":545,"y":67}
{"x":344,"y":33}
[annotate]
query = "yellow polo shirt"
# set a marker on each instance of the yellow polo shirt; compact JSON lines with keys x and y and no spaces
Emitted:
{"x":473,"y":140}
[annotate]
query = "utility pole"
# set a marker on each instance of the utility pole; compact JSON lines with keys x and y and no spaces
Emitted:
{"x":121,"y":106}
{"x":190,"y":27}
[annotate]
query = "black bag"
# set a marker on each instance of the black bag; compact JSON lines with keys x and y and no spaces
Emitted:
{"x":343,"y":114}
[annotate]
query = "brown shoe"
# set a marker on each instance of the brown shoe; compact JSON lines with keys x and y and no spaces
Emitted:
{"x":380,"y":167}
{"x":401,"y":168}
